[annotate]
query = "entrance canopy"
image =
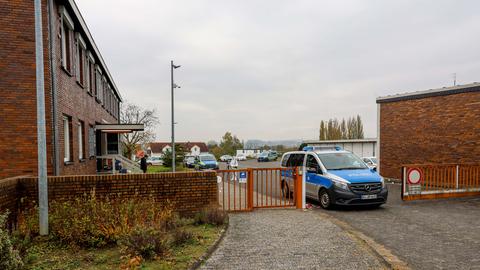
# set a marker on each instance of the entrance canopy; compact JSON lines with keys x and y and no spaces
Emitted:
{"x":119,"y":128}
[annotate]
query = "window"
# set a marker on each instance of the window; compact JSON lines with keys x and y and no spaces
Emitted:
{"x":91,"y":73}
{"x":66,"y":32}
{"x":81,"y":140}
{"x":312,"y":164}
{"x":98,"y":83}
{"x":91,"y":141}
{"x":295,"y":160}
{"x":341,"y":161}
{"x":80,"y":60}
{"x":285,"y":159}
{"x":67,"y":139}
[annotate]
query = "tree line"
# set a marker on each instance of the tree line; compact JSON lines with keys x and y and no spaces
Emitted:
{"x":333,"y":129}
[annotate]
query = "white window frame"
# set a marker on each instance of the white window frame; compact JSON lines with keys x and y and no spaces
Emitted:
{"x":98,"y":82}
{"x":66,"y":138}
{"x":65,"y":19}
{"x":90,"y":65}
{"x":81,"y":46}
{"x":81,"y":140}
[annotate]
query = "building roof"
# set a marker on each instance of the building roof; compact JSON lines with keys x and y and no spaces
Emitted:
{"x":367,"y":140}
{"x":78,"y":16}
{"x":473,"y":87}
{"x":157,"y":147}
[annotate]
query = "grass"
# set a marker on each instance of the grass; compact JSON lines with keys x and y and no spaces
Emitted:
{"x":161,"y":168}
{"x":44,"y":254}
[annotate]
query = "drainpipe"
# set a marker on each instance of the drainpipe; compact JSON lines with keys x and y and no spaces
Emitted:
{"x":53,"y":73}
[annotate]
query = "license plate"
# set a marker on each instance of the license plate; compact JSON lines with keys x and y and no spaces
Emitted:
{"x":368,"y":197}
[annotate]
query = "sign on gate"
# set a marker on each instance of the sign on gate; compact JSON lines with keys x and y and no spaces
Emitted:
{"x":243,"y":177}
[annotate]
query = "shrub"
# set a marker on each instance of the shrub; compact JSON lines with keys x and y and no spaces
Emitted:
{"x":91,"y":222}
{"x":181,"y":236}
{"x":211,"y":215}
{"x":9,"y":257}
{"x":145,"y":242}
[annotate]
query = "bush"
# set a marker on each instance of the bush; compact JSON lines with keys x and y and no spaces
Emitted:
{"x":90,"y":222}
{"x":9,"y":257}
{"x":181,"y":236}
{"x":211,"y":215}
{"x":145,"y":242}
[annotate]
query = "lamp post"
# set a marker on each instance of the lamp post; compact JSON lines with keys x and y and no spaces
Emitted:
{"x":41,"y":126}
{"x":172,"y":67}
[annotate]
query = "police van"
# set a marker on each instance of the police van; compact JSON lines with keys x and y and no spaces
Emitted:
{"x":335,"y":177}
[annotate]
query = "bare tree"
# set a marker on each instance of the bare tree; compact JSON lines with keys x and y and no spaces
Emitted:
{"x":133,"y":114}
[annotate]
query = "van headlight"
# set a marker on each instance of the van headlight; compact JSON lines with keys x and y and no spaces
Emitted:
{"x":340,"y":184}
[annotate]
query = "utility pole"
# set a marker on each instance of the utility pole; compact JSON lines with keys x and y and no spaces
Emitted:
{"x":41,"y":128}
{"x":172,"y":67}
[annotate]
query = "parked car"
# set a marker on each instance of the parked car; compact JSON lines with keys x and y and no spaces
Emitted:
{"x":226,"y":158}
{"x":371,"y":162}
{"x":267,"y":156}
{"x":154,"y":161}
{"x":189,"y":162}
{"x":241,"y":157}
{"x":206,"y":161}
{"x":335,"y":177}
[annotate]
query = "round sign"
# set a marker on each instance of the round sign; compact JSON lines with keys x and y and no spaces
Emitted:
{"x":414,"y":176}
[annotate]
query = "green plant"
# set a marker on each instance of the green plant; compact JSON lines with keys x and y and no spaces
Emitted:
{"x":211,"y":215}
{"x":181,"y":236}
{"x":9,"y":257}
{"x":145,"y":242}
{"x":92,"y":222}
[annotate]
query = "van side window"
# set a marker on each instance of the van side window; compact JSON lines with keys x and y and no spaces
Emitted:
{"x":312,"y":163}
{"x":295,"y":160}
{"x":285,"y":160}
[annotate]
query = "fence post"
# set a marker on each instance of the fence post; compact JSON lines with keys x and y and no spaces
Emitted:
{"x":456,"y":177}
{"x":250,"y":188}
{"x":113,"y":165}
{"x":404,"y":182}
{"x":298,"y":189}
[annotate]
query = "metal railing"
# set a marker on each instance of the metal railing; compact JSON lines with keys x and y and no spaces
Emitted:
{"x":440,"y":181}
{"x":108,"y":164}
{"x":246,"y":189}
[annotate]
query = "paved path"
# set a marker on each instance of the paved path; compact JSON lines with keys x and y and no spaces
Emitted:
{"x":288,"y":239}
{"x":435,"y":234}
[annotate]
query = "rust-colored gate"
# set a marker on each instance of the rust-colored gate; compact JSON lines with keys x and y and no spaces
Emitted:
{"x":249,"y":188}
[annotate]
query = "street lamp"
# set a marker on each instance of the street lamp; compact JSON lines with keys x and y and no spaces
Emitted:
{"x":172,"y":67}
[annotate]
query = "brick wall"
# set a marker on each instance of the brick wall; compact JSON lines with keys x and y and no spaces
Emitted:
{"x":18,"y":123}
{"x":188,"y":191}
{"x":18,"y":129}
{"x":442,"y":129}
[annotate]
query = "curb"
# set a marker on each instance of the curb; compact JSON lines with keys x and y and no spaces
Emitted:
{"x":385,"y":255}
{"x":211,"y":249}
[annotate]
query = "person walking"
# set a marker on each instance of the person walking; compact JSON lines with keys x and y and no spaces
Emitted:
{"x":143,"y":164}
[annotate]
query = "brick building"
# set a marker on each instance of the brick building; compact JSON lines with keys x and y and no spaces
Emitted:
{"x":82,"y":100}
{"x":436,"y":126}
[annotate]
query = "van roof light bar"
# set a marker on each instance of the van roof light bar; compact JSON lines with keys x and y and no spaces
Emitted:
{"x":322,"y":148}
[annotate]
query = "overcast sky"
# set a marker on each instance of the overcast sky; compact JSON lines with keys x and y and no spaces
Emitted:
{"x":272,"y":69}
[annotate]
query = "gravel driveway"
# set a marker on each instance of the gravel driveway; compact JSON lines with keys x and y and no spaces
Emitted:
{"x":288,"y":239}
{"x":435,"y":234}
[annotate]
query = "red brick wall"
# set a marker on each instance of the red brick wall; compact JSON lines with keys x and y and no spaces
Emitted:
{"x":188,"y":191}
{"x":75,"y":101}
{"x":18,"y":129}
{"x":442,"y":129}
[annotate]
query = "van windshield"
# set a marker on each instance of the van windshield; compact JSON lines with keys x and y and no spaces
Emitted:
{"x":341,"y":161}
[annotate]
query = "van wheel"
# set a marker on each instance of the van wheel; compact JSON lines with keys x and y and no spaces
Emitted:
{"x":324,"y":199}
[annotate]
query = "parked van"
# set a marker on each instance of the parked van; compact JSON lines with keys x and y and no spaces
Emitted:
{"x":335,"y":177}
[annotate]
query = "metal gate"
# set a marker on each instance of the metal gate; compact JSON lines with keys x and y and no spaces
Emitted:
{"x":246,"y":189}
{"x":440,"y":181}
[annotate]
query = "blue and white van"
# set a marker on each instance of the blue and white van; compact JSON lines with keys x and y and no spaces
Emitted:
{"x":335,"y":177}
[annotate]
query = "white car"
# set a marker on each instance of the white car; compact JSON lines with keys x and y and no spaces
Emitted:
{"x":226,"y":158}
{"x":241,"y":157}
{"x":370,"y":161}
{"x":154,"y":161}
